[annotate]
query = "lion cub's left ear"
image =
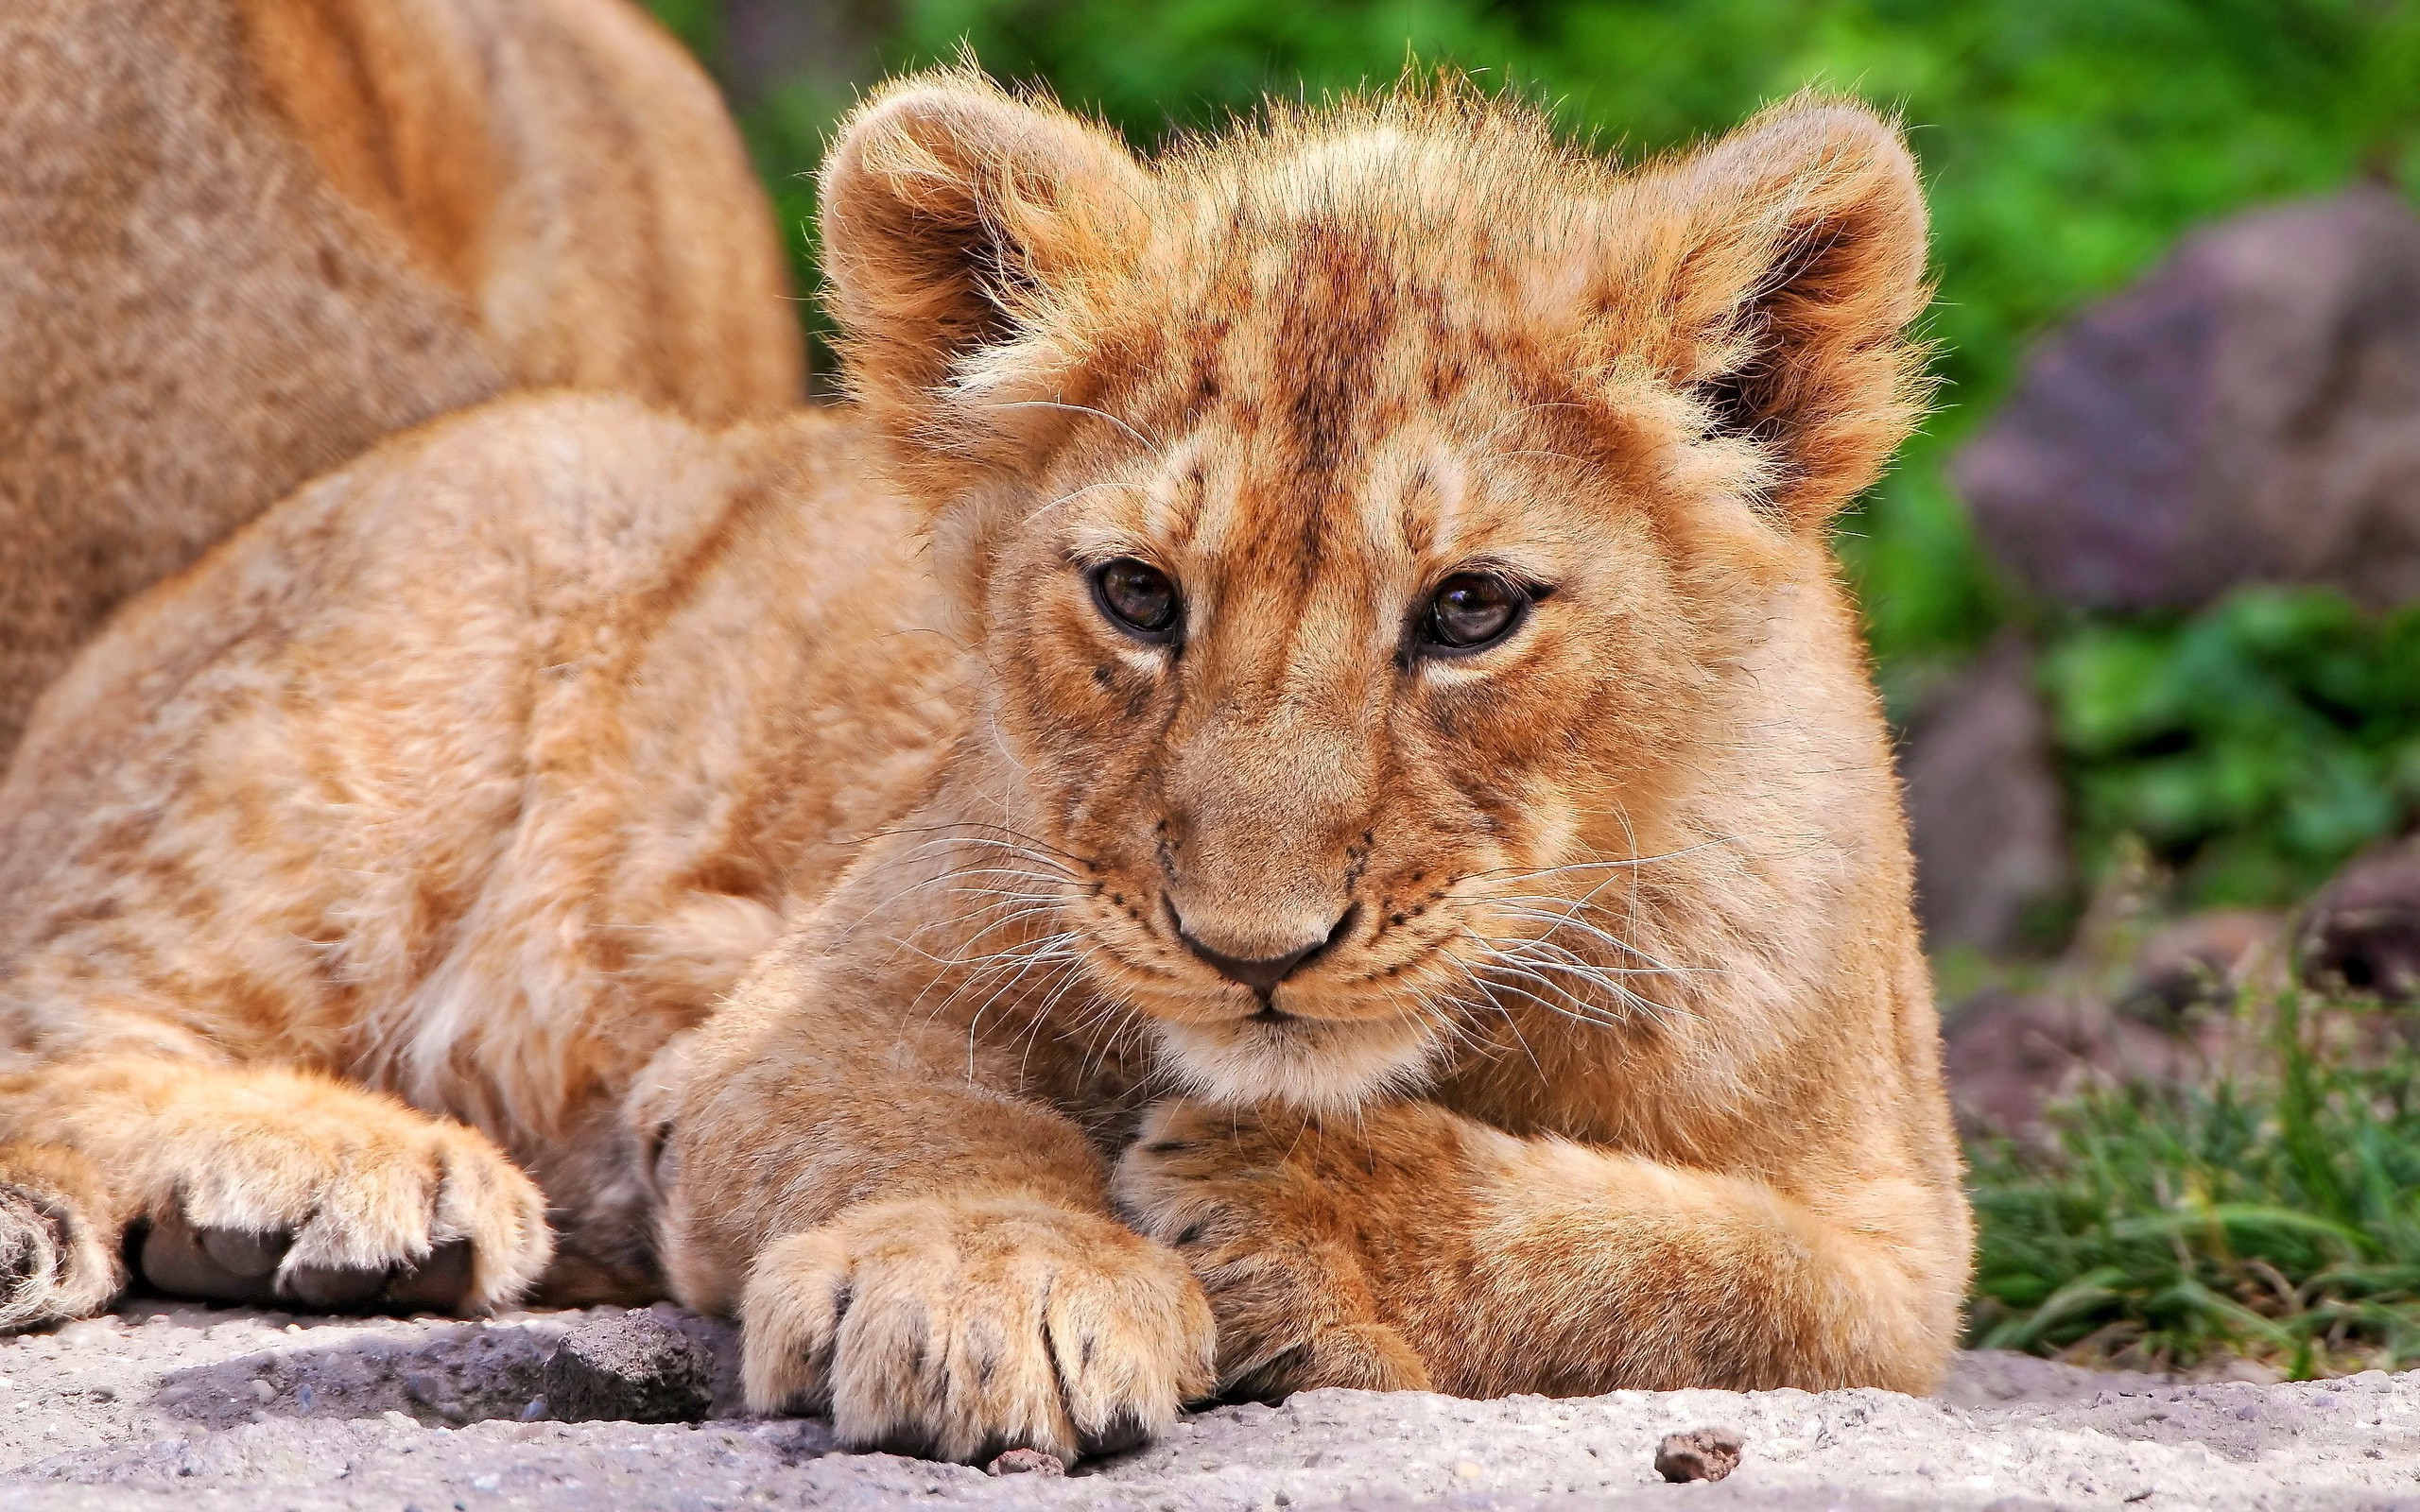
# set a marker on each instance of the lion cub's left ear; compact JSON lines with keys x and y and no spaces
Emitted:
{"x":956,"y":218}
{"x":1785,"y":262}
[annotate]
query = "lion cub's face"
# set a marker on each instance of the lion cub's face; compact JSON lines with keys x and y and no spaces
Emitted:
{"x":1355,"y":517}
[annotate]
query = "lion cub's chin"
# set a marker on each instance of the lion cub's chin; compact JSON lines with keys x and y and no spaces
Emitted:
{"x":1318,"y":1065}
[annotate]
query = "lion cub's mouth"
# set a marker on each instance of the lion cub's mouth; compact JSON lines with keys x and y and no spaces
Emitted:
{"x":1321,"y":1065}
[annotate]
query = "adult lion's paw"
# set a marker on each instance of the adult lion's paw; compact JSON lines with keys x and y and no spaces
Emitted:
{"x":965,"y":1327}
{"x":1236,"y":1194}
{"x":295,"y":1189}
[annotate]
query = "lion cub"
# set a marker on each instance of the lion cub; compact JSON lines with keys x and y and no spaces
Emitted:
{"x":1323,"y":823}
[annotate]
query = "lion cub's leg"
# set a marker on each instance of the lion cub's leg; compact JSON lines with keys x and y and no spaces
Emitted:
{"x":1507,"y":1264}
{"x":258,"y":1184}
{"x":914,"y":1248}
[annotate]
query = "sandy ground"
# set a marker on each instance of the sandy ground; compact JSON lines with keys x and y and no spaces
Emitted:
{"x":185,"y":1407}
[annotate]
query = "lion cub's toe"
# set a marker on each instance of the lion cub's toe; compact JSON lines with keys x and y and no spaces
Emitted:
{"x":312,"y":1193}
{"x":964,"y":1328}
{"x":1272,"y":1247}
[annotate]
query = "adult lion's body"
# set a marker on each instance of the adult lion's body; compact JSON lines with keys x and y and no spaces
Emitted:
{"x":244,"y":239}
{"x":1316,"y":785}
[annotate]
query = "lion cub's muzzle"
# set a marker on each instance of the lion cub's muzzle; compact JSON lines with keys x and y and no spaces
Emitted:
{"x":1263,"y":973}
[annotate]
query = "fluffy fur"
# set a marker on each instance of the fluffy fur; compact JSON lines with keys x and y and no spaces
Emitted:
{"x":478,"y":774}
{"x":247,"y":238}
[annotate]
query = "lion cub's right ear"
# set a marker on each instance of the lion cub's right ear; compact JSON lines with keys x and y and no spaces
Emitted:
{"x":956,"y":219}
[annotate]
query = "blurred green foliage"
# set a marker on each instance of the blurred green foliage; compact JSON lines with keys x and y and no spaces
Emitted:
{"x":2274,"y":1214}
{"x":2251,"y":747}
{"x":2067,"y":143}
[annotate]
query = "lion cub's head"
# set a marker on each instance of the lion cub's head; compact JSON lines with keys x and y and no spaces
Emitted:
{"x":1356,"y":512}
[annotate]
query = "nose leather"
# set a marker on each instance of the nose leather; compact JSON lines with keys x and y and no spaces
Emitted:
{"x":1263,"y":973}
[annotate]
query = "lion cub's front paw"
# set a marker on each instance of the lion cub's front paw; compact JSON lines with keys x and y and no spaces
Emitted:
{"x":287,"y":1189}
{"x":964,"y":1328}
{"x":1273,"y":1247}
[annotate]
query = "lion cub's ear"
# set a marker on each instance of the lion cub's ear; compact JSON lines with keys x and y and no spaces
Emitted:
{"x":956,"y":218}
{"x":1790,"y":259}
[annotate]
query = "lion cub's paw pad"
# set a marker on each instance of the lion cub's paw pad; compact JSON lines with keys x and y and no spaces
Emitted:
{"x":964,"y":1330}
{"x":233,"y":1266}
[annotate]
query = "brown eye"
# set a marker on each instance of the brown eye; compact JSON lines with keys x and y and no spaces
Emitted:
{"x":1137,"y":597}
{"x":1471,"y":610}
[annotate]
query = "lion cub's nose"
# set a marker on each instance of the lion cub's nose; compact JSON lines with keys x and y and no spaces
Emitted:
{"x":1261,"y":973}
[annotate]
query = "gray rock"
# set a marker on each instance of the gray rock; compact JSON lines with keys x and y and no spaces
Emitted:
{"x":2191,"y":970}
{"x":1985,"y":814}
{"x":2361,"y":934}
{"x":635,"y":1368}
{"x":2007,"y":1054}
{"x":2249,"y":410}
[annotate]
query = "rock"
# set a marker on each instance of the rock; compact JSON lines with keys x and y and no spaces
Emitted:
{"x":2006,"y":1054}
{"x":2361,"y":934}
{"x":1989,"y":1377}
{"x":2249,"y":410}
{"x":1984,"y":808}
{"x":635,"y":1369}
{"x":2199,"y":964}
{"x":1701,"y":1454}
{"x":1025,"y":1462}
{"x":2053,"y":1436}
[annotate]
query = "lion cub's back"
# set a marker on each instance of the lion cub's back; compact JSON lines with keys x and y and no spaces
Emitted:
{"x":322,"y":736}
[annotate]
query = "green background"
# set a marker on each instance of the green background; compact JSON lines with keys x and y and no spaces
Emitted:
{"x":2066,"y":145}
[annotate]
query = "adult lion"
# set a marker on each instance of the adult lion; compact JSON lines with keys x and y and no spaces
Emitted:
{"x":242,"y":239}
{"x":1329,"y":826}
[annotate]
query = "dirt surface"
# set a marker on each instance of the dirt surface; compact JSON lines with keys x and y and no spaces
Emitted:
{"x":201,"y":1410}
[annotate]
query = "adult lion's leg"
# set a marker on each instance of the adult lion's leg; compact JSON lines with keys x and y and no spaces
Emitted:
{"x":1510,"y":1264}
{"x":257,"y":1184}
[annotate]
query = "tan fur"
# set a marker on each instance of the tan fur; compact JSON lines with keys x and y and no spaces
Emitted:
{"x":244,"y":239}
{"x":479,"y":771}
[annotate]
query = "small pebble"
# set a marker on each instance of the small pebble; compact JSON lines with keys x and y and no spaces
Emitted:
{"x":1700,"y":1454}
{"x":1025,"y":1462}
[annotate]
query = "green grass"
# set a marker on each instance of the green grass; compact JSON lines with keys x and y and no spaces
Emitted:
{"x":2274,"y":1213}
{"x":2065,"y":145}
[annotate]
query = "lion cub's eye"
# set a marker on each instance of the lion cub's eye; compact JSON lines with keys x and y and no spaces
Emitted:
{"x":1138,"y":598}
{"x":1472,"y":611}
